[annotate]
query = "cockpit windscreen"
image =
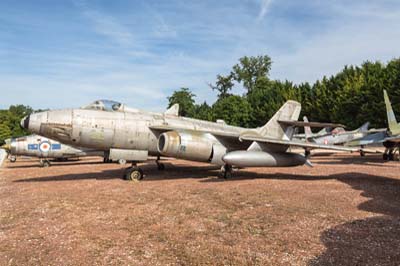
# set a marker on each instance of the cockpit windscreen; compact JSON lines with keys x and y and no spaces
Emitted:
{"x":104,"y":105}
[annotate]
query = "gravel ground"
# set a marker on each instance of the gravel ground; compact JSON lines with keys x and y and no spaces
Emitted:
{"x":344,"y":211}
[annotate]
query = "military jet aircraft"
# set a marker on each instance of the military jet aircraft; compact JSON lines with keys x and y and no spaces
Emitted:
{"x":392,"y":141}
{"x":135,"y":135}
{"x":45,"y":148}
{"x":389,"y":138}
{"x":337,"y":136}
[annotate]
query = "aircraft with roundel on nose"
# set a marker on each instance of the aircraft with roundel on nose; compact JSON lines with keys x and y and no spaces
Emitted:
{"x":44,"y":149}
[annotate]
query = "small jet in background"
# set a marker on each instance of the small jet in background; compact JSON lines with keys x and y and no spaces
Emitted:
{"x":44,"y":149}
{"x":339,"y":136}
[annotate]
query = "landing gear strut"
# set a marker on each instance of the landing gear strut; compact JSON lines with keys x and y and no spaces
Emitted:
{"x":391,"y":154}
{"x":226,"y":171}
{"x":362,"y":152}
{"x":44,"y":163}
{"x":160,"y":165}
{"x":133,"y":173}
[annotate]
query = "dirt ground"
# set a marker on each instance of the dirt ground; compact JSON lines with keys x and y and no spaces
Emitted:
{"x":344,"y":211}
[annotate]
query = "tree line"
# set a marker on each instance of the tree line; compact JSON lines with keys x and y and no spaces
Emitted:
{"x":351,"y":97}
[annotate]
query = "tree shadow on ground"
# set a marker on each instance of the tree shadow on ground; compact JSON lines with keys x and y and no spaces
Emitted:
{"x":370,"y":160}
{"x":370,"y":241}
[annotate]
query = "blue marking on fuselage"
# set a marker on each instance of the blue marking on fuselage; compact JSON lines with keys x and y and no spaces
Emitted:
{"x":33,"y":146}
{"x":56,"y":146}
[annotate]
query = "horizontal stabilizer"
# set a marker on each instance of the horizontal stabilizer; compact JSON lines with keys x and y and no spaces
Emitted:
{"x":308,"y":124}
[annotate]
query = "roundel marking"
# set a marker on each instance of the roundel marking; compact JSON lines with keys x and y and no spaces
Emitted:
{"x":44,"y":146}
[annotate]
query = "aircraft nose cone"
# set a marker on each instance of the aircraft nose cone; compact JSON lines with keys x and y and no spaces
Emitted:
{"x":7,"y":147}
{"x":25,"y":122}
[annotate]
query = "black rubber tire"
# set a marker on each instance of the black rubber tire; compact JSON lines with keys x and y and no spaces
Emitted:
{"x":134,"y":174}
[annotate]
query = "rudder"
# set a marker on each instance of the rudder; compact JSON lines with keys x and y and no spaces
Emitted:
{"x":288,"y":112}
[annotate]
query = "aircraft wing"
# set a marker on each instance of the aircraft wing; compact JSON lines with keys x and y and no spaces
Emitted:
{"x":228,"y":139}
{"x":308,"y":124}
{"x":299,"y":144}
{"x":217,"y":133}
{"x":393,"y":139}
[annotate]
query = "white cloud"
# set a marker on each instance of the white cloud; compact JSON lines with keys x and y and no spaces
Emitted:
{"x":264,"y":8}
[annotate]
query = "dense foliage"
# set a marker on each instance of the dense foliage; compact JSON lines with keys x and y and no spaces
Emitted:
{"x":10,"y":119}
{"x":351,"y":97}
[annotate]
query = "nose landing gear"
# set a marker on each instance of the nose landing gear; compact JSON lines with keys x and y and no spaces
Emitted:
{"x":44,"y":163}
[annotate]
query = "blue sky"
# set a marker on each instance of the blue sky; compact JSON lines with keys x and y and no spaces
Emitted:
{"x":56,"y":54}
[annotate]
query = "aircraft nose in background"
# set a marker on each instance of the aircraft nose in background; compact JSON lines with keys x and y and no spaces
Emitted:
{"x":25,"y":122}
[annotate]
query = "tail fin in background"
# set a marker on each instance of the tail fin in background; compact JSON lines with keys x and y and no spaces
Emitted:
{"x":173,"y":110}
{"x":273,"y":129}
{"x":364,"y":128}
{"x":394,"y":127}
{"x":307,"y":129}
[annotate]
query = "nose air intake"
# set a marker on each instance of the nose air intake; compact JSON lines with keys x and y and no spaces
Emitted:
{"x":25,"y":122}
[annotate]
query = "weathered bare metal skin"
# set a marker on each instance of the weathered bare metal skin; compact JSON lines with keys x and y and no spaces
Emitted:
{"x":129,"y":155}
{"x":263,"y":159}
{"x":190,"y":146}
{"x":135,"y":134}
{"x":131,"y":131}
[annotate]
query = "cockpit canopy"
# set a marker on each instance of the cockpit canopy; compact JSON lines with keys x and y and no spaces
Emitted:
{"x":104,"y":105}
{"x":109,"y":106}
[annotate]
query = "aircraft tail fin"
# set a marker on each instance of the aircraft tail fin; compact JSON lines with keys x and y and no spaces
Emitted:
{"x":364,"y":127}
{"x":307,"y":129}
{"x":274,"y":129}
{"x":173,"y":110}
{"x":393,"y":125}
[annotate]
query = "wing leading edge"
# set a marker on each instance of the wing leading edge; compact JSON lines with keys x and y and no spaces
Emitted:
{"x":302,"y":144}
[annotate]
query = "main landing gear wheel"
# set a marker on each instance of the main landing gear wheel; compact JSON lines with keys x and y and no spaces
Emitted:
{"x":44,"y":163}
{"x":134,"y":174}
{"x":13,"y":159}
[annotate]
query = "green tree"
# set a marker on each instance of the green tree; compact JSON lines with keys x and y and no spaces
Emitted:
{"x":203,"y":112}
{"x":233,"y":109}
{"x":185,"y":98}
{"x":5,"y":133}
{"x":223,"y":85}
{"x":251,"y":69}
